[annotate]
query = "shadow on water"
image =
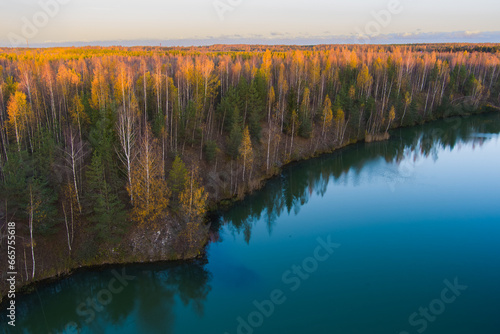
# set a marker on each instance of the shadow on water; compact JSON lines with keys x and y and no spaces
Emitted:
{"x":407,"y":146}
{"x":140,"y":298}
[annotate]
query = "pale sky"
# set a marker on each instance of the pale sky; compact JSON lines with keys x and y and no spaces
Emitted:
{"x":267,"y":21}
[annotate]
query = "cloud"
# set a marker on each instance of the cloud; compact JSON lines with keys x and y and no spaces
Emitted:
{"x":470,"y":33}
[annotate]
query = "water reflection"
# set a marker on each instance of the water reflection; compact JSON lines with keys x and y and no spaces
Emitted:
{"x":406,"y":149}
{"x":135,"y":299}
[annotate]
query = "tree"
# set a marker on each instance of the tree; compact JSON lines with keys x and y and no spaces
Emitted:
{"x":340,"y":121}
{"x":148,"y":186}
{"x":69,"y":206}
{"x":32,"y":208}
{"x":100,"y":89}
{"x":295,"y":126}
{"x":177,"y":178}
{"x":364,"y":81}
{"x":246,"y":151}
{"x":127,"y":134}
{"x":392,"y":116}
{"x":211,"y":150}
{"x":271,"y":98}
{"x":20,"y":116}
{"x":305,"y":128}
{"x":326,"y":116}
{"x":407,"y":101}
{"x":193,"y":201}
{"x":106,"y":209}
{"x":74,"y":154}
{"x":15,"y":173}
{"x":78,"y":115}
{"x":235,"y":135}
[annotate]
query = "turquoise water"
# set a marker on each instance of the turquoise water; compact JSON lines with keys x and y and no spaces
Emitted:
{"x":394,"y":237}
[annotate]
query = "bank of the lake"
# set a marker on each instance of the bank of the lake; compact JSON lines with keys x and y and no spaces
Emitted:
{"x":147,"y":249}
{"x":429,"y":220}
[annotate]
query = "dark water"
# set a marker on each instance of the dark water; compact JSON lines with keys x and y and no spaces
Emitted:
{"x":393,"y":237}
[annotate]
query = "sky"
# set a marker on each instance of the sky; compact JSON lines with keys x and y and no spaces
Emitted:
{"x":204,"y":22}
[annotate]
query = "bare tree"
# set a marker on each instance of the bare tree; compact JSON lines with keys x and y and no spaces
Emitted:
{"x":127,"y":133}
{"x":73,"y":156}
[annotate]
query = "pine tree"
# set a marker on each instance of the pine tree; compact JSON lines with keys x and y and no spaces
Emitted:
{"x":106,"y":210}
{"x":235,"y":136}
{"x":177,"y":179}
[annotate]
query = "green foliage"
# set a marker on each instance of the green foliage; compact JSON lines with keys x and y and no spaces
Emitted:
{"x":210,"y":150}
{"x":177,"y":179}
{"x":234,"y":141}
{"x":102,"y":138}
{"x":106,"y":210}
{"x":226,"y":109}
{"x":305,"y":129}
{"x":44,"y":153}
{"x":13,"y":189}
{"x":45,"y":214}
{"x":256,"y":107}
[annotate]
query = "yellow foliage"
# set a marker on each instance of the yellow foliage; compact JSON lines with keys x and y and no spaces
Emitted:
{"x":339,"y":117}
{"x":20,"y":116}
{"x":327,"y":116}
{"x":246,"y":151}
{"x":364,"y":78}
{"x":392,"y":114}
{"x":77,"y":112}
{"x":148,"y":187}
{"x":193,"y":200}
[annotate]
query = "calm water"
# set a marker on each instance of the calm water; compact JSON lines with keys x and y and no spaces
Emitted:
{"x":396,"y":237}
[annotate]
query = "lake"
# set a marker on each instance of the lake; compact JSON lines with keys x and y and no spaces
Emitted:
{"x":394,"y":237}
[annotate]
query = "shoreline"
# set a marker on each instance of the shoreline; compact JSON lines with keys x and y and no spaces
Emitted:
{"x":222,"y":204}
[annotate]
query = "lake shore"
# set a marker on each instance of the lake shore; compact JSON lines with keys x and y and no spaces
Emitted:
{"x":221,"y":204}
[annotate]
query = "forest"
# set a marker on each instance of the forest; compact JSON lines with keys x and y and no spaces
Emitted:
{"x":117,"y":154}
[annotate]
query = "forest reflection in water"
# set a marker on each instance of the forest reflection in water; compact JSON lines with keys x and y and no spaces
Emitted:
{"x":403,"y":153}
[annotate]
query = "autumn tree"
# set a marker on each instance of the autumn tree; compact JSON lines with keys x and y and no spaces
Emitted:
{"x":127,"y":131}
{"x":246,"y":152}
{"x":73,"y":155}
{"x":392,"y":116}
{"x":193,"y":200}
{"x":364,"y":81}
{"x":407,"y":102}
{"x":148,"y":187}
{"x":20,"y":116}
{"x":340,"y":122}
{"x":177,"y":179}
{"x":326,"y":116}
{"x":294,"y":127}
